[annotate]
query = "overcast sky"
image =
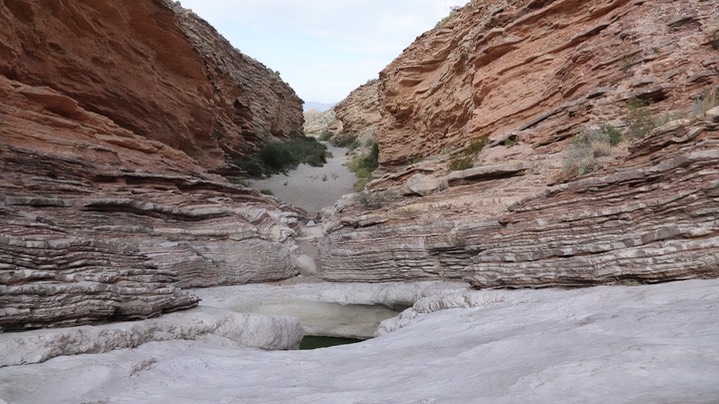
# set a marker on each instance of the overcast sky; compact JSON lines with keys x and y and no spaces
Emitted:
{"x":323,"y":48}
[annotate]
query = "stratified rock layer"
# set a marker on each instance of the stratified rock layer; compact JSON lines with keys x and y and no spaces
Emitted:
{"x":652,"y":219}
{"x":358,"y":114}
{"x":153,"y":68}
{"x":539,"y":70}
{"x":113,"y":116}
{"x":506,"y":85}
{"x":317,"y":122}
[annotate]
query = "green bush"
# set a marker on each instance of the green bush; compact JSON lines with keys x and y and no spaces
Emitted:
{"x":364,"y":165}
{"x":614,"y":135}
{"x":476,"y":146}
{"x":579,"y":160}
{"x":460,"y":163}
{"x":373,"y":200}
{"x":349,"y":142}
{"x":325,"y":135}
{"x":276,"y":157}
{"x":444,"y":20}
{"x":279,"y":157}
{"x":251,"y":165}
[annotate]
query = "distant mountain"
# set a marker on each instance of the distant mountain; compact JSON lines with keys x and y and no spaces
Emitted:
{"x":319,"y":106}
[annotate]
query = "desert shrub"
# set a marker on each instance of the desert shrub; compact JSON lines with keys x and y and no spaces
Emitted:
{"x":613,"y":134}
{"x":307,"y":150}
{"x":267,"y":192}
{"x":251,"y":165}
{"x":476,"y":146}
{"x":325,"y":135}
{"x":373,"y":200}
{"x":466,"y":160}
{"x":639,"y":119}
{"x":587,"y":146}
{"x":279,"y":157}
{"x":417,"y":159}
{"x":349,"y":142}
{"x":579,"y":160}
{"x":364,"y":165}
{"x":460,"y":163}
{"x":509,"y":142}
{"x":599,"y":142}
{"x":276,"y":157}
{"x":361,"y":183}
{"x":444,"y":20}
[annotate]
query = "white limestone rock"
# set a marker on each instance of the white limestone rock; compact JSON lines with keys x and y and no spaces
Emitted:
{"x":227,"y":327}
{"x":653,"y":343}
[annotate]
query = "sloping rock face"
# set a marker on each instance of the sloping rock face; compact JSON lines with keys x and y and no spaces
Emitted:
{"x":152,"y":68}
{"x":107,"y":203}
{"x":98,"y":223}
{"x":358,"y":114}
{"x":524,"y":77}
{"x":651,"y":219}
{"x":317,"y":122}
{"x":539,"y":70}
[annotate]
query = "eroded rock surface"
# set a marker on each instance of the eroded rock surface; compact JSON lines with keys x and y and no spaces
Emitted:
{"x":638,"y":344}
{"x":358,"y":114}
{"x":113,"y":117}
{"x":152,"y":68}
{"x":222,"y":327}
{"x":651,"y":218}
{"x":505,"y":86}
{"x":539,"y":71}
{"x":317,"y":122}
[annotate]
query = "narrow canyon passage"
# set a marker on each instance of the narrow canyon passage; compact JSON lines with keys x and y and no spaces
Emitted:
{"x":312,"y":188}
{"x":537,"y":219}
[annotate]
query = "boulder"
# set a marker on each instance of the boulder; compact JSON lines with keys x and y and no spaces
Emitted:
{"x":423,"y":185}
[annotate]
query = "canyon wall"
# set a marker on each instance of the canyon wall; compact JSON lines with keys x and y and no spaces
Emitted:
{"x":359,"y":113}
{"x":540,"y":70}
{"x":153,"y":68}
{"x":509,"y":87}
{"x":317,"y":122}
{"x":113,"y":117}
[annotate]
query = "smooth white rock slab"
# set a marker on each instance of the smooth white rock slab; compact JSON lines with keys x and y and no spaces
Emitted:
{"x":351,"y":310}
{"x":615,"y":344}
{"x":222,"y":327}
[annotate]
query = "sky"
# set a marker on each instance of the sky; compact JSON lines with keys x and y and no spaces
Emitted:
{"x":323,"y":48}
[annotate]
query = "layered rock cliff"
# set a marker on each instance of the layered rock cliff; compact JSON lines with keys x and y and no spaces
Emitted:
{"x":539,"y":70}
{"x":359,"y":114}
{"x":509,"y":86}
{"x":153,"y":68}
{"x":317,"y":122}
{"x":112,"y":117}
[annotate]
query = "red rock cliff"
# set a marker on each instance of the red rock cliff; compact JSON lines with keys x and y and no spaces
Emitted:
{"x":153,"y":68}
{"x":538,"y":70}
{"x":113,"y":116}
{"x":507,"y":86}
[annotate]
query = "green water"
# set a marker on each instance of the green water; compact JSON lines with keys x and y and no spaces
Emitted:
{"x":313,"y":342}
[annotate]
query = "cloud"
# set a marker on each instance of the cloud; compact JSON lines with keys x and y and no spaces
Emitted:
{"x":357,"y":37}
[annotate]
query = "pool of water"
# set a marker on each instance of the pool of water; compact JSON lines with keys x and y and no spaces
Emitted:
{"x":314,"y":342}
{"x":324,"y":318}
